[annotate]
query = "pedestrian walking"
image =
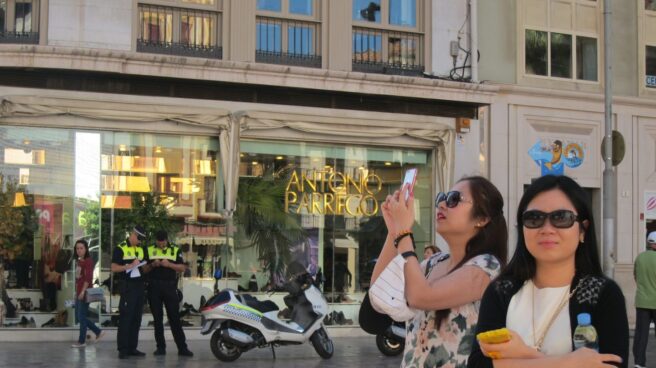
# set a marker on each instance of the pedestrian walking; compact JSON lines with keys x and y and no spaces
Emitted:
{"x":644,"y":272}
{"x":83,"y":280}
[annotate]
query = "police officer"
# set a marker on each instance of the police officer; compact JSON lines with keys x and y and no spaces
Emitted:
{"x":165,"y":264}
{"x":127,"y":257}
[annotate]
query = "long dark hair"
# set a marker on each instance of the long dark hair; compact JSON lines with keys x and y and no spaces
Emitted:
{"x":522,"y":266}
{"x":487,"y":203}
{"x":86,"y":248}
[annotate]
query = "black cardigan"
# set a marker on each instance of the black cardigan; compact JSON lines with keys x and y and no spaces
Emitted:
{"x":597,"y":295}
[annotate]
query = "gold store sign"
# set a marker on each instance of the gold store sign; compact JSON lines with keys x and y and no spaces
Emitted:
{"x":327,"y":192}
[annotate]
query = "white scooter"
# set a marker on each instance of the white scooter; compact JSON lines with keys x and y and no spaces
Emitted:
{"x":241,"y":322}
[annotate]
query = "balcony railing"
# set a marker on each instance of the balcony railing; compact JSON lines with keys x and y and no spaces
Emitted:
{"x":288,"y":42}
{"x":176,"y":31}
{"x":180,"y":49}
{"x":388,"y":52}
{"x":19,"y":37}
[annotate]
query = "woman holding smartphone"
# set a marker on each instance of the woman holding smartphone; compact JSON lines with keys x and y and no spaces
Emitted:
{"x":553,"y":276}
{"x":445,"y":290}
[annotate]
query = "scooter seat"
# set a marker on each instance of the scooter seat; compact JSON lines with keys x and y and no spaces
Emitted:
{"x":263,"y":306}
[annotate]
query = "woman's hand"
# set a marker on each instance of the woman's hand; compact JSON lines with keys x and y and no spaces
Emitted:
{"x":513,"y":349}
{"x":589,"y":358}
{"x":387,"y":216}
{"x":81,"y":296}
{"x":402,"y":212}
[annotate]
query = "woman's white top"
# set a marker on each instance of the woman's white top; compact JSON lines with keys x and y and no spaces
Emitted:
{"x":540,"y":305}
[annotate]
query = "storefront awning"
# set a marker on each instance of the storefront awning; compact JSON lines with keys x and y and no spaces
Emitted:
{"x":120,"y":110}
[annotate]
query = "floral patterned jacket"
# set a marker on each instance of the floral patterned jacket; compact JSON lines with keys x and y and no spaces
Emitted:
{"x":448,"y":347}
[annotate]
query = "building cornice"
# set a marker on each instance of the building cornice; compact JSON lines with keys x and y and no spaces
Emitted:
{"x":133,"y":63}
{"x":508,"y":90}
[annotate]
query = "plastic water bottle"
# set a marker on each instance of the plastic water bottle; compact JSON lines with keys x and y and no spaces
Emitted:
{"x":585,"y":334}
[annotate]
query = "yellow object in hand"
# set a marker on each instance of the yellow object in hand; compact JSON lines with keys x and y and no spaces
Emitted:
{"x":495,"y":336}
{"x":494,"y":355}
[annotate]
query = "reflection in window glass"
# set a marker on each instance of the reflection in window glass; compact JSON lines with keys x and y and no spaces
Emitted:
{"x":650,"y":4}
{"x":403,"y":12}
{"x":586,"y":58}
{"x":59,"y":185}
{"x":23,"y":17}
{"x":536,"y":52}
{"x":303,"y":7}
{"x":300,"y":40}
{"x":651,"y":66}
{"x":402,"y":51}
{"x":269,"y":37}
{"x":3,"y":15}
{"x":156,"y":25}
{"x":561,"y":55}
{"x":270,"y":5}
{"x":322,"y":211}
{"x":197,"y":30}
{"x":367,"y":47}
{"x":366,"y":10}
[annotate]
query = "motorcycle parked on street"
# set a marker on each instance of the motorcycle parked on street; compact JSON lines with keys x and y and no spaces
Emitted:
{"x":240,"y":322}
{"x":392,"y":341}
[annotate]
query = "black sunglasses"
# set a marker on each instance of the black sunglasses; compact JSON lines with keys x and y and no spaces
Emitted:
{"x":452,"y":198}
{"x":561,"y":219}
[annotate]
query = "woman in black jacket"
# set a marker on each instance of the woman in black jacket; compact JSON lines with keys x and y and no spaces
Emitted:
{"x":553,"y":276}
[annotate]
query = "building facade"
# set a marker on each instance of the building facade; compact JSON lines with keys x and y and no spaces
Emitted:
{"x":250,"y":130}
{"x":546,"y":57}
{"x":265,"y":132}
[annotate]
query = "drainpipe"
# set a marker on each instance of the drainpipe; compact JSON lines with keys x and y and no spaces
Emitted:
{"x":473,"y":38}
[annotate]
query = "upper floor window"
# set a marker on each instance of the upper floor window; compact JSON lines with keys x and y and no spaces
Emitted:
{"x":561,"y":39}
{"x":650,"y":66}
{"x":287,"y":7}
{"x":180,"y":31}
{"x":288,"y":32}
{"x":19,"y":21}
{"x":387,"y":37}
{"x":269,"y":5}
{"x":650,"y":5}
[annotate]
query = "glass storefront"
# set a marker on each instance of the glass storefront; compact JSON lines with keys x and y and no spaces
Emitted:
{"x":319,"y":205}
{"x":313,"y":204}
{"x":59,"y":185}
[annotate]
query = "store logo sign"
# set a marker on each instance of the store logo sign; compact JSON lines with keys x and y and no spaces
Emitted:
{"x":553,"y":155}
{"x":328,"y":192}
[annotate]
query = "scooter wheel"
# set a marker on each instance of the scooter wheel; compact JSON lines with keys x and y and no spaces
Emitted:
{"x":388,"y":346}
{"x":323,"y":345}
{"x":223,"y":350}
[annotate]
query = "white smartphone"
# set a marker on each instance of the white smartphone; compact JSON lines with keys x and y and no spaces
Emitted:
{"x":410,"y":178}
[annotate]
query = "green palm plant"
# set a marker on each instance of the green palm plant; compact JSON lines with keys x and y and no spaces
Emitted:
{"x":261,"y":216}
{"x":17,"y":226}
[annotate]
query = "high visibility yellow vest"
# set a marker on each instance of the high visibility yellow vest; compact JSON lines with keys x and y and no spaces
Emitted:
{"x":170,"y":252}
{"x":130,"y":252}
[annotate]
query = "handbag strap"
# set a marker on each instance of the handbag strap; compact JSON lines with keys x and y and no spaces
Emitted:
{"x":552,"y":316}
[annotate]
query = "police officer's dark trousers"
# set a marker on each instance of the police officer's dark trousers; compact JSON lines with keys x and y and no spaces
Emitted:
{"x":164,"y":293}
{"x":130,"y":310}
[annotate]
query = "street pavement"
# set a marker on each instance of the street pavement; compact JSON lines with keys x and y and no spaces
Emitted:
{"x":349,"y":352}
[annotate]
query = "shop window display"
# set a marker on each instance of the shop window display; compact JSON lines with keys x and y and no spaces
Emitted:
{"x":59,"y":185}
{"x":319,"y":205}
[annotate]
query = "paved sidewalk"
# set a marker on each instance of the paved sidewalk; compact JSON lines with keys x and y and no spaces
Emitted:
{"x":349,"y":352}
